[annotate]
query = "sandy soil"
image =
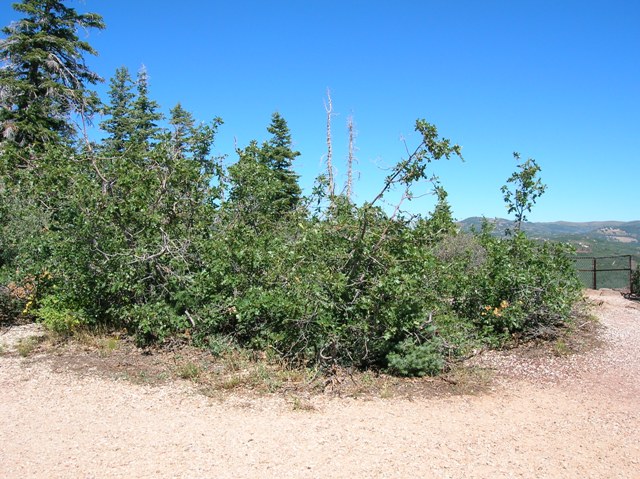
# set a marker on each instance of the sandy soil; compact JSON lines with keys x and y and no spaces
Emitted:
{"x":568,"y":416}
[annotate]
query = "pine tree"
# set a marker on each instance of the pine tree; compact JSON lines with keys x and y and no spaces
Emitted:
{"x":194,"y":141}
{"x":119,"y":125}
{"x":277,"y":154}
{"x":145,"y":113}
{"x":183,"y":129}
{"x":44,"y":77}
{"x":263,"y":184}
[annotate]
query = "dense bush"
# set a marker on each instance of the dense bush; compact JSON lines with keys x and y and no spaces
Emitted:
{"x":524,"y":287}
{"x":146,"y":229}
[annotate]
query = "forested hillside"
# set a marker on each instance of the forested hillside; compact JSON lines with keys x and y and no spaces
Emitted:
{"x":146,"y":230}
{"x":594,"y":238}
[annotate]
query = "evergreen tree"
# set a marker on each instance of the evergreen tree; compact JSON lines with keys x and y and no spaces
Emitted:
{"x":194,"y":142}
{"x":183,"y":128}
{"x":119,"y":125}
{"x":277,"y":154}
{"x":44,"y":77}
{"x":145,"y":113}
{"x":263,"y":185}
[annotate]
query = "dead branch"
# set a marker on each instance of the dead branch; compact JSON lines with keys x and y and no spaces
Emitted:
{"x":350,"y":158}
{"x":328,"y":106}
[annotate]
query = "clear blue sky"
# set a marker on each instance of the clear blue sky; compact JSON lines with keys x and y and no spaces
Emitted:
{"x":556,"y":80}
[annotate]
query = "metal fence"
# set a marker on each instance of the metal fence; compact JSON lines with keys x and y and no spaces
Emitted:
{"x":613,"y":272}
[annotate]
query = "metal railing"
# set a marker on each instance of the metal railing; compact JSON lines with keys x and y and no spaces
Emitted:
{"x":613,"y":272}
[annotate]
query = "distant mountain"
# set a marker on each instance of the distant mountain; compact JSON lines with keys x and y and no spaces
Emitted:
{"x":593,"y":237}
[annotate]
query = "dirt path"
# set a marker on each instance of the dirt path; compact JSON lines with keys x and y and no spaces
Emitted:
{"x":575,"y":416}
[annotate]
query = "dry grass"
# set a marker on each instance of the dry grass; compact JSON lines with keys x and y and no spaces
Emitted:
{"x":189,"y":371}
{"x":469,"y":380}
{"x":28,"y":346}
{"x":114,"y":355}
{"x":303,"y":404}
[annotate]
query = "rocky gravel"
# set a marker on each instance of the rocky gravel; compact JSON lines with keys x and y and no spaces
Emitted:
{"x":566,"y":416}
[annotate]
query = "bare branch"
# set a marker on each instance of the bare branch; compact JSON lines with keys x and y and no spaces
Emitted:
{"x":328,"y":106}
{"x":350,"y":158}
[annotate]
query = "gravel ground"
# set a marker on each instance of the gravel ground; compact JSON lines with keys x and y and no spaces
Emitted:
{"x":575,"y":416}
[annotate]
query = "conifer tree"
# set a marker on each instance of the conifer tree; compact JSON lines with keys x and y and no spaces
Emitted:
{"x":183,"y":128}
{"x":145,"y":115}
{"x":119,"y":125}
{"x":44,"y":76}
{"x":194,"y":141}
{"x":277,"y":153}
{"x":263,"y":184}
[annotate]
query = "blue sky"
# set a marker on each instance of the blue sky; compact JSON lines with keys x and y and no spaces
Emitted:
{"x":558,"y":81}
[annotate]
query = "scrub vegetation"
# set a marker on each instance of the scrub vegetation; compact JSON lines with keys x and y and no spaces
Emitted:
{"x":147,"y":230}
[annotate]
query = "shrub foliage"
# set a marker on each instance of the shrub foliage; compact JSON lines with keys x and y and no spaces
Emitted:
{"x":147,"y":230}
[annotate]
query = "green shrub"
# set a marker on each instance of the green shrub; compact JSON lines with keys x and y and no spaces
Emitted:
{"x":524,"y":287}
{"x":58,"y":316}
{"x":218,"y":345}
{"x":153,"y":322}
{"x":412,"y":359}
{"x":635,"y":281}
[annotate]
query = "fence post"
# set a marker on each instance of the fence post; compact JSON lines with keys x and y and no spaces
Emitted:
{"x":595,"y":267}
